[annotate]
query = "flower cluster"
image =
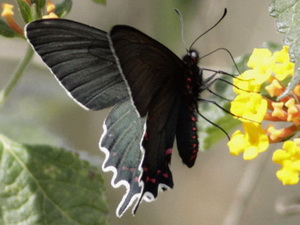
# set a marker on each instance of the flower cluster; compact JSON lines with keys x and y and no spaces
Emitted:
{"x":8,"y":14}
{"x":30,"y":10}
{"x":257,"y":90}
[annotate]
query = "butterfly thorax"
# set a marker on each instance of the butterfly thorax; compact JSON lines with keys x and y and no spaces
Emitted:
{"x":192,"y":78}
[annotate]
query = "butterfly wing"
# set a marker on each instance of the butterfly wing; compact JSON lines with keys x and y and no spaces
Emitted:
{"x":158,"y":143}
{"x":154,"y":76}
{"x":121,"y":143}
{"x":88,"y":64}
{"x":80,"y":58}
{"x":145,"y":64}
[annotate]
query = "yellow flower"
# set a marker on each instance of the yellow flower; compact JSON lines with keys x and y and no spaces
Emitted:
{"x":274,"y":88}
{"x":249,"y":106}
{"x":283,"y":67}
{"x":278,"y":110}
{"x":253,"y":142}
{"x":293,"y":111}
{"x":51,"y":16}
{"x":236,"y":144}
{"x":289,"y":159}
{"x":247,"y":81}
{"x":50,"y":7}
{"x":8,"y":13}
{"x":7,"y":10}
{"x":275,"y":134}
{"x":261,"y":60}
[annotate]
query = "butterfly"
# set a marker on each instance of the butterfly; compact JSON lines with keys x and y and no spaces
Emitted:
{"x":155,"y":96}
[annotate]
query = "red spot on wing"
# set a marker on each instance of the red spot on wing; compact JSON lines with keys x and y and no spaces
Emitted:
{"x":169,"y":151}
{"x":152,"y":180}
{"x":166,"y":175}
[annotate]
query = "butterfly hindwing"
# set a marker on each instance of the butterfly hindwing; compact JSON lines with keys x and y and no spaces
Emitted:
{"x":121,"y":143}
{"x":80,"y":58}
{"x":158,"y":143}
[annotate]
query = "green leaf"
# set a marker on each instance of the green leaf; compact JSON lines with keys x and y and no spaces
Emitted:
{"x":287,"y":14}
{"x":35,"y":13}
{"x":100,"y":1}
{"x":25,"y":11}
{"x":37,"y":8}
{"x":62,"y":9}
{"x":42,"y":185}
{"x":5,"y":30}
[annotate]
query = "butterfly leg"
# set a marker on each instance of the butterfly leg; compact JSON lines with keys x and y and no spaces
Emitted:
{"x":210,"y":80}
{"x":216,"y":125}
{"x":219,"y":72}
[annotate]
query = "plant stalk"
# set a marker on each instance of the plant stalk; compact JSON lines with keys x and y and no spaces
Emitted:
{"x":245,"y":189}
{"x":16,"y":76}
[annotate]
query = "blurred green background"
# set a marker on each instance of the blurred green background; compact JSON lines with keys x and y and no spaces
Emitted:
{"x":39,"y":111}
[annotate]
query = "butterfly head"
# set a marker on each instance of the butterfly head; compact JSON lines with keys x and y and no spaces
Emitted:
{"x":191,"y":58}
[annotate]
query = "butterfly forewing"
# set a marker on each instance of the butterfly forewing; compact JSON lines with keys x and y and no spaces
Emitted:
{"x":81,"y":59}
{"x":145,"y":64}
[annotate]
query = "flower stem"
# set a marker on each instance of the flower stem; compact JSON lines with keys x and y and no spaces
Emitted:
{"x":16,"y":76}
{"x":245,"y":189}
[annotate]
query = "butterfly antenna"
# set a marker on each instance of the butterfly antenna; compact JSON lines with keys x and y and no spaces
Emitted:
{"x":224,"y":14}
{"x":182,"y":28}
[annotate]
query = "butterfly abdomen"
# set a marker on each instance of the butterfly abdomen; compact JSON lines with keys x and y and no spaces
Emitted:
{"x":186,"y":132}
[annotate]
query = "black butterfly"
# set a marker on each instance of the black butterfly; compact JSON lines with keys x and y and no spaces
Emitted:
{"x":155,"y":97}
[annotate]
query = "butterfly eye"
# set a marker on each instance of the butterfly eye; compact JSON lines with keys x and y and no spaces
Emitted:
{"x":194,"y":54}
{"x":191,"y":58}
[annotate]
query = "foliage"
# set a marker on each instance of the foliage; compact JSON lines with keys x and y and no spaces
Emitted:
{"x":39,"y":183}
